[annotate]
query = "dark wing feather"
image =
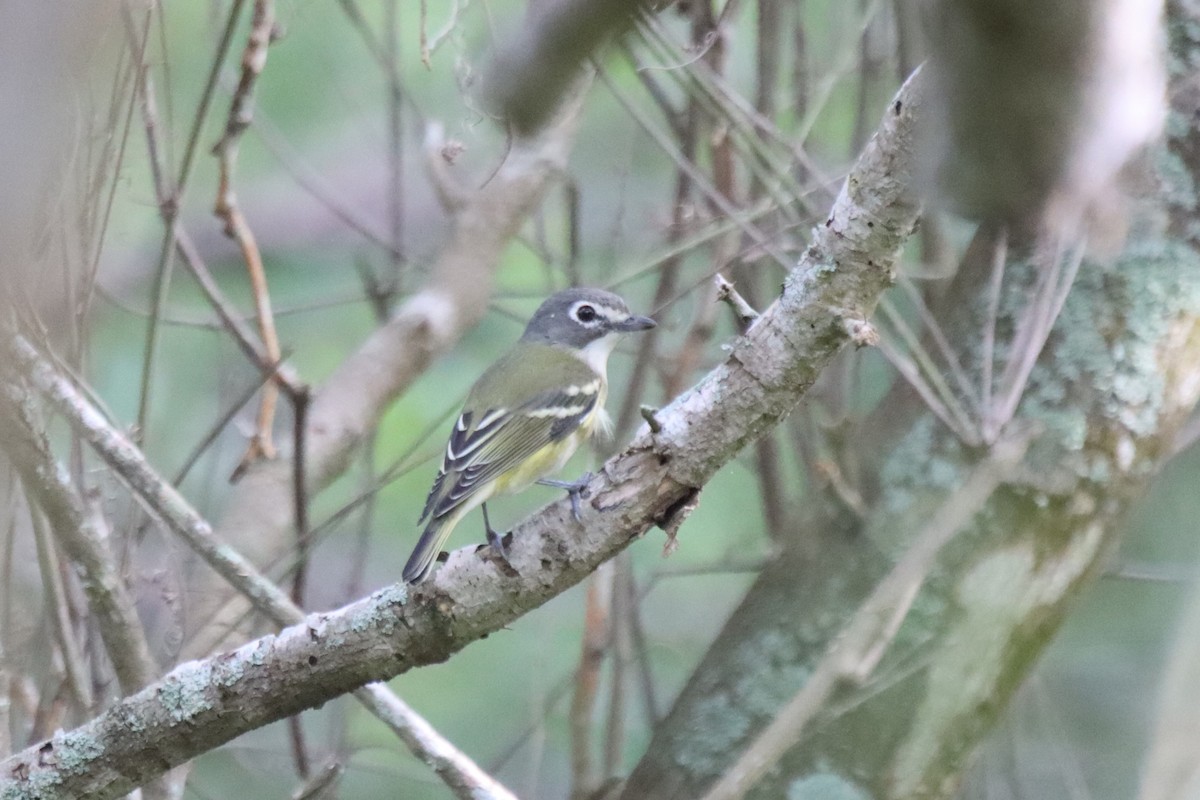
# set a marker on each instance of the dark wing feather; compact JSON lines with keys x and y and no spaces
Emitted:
{"x":478,"y":455}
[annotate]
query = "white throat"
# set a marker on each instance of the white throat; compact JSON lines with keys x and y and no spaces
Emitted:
{"x":595,"y":354}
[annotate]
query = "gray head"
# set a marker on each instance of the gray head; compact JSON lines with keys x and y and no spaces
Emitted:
{"x":578,"y":317}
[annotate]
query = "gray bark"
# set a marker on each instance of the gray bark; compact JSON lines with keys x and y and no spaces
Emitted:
{"x":1120,"y":373}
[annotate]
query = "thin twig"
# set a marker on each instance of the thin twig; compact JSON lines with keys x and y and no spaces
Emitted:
{"x":969,"y":392}
{"x":1034,"y":326}
{"x":667,"y":279}
{"x":743,"y":312}
{"x":78,"y":680}
{"x":395,"y":106}
{"x":923,"y":375}
{"x":254,"y":58}
{"x":711,"y":193}
{"x":277,"y":145}
{"x":303,"y":553}
{"x":376,"y":49}
{"x":215,"y":429}
{"x":300,"y":497}
{"x":641,"y":650}
{"x":299,"y":746}
{"x":169,"y":211}
{"x":621,"y":644}
{"x":430,"y":44}
{"x":243,"y":336}
{"x":999,"y":247}
{"x":690,"y":354}
{"x":323,"y":784}
{"x":585,"y":777}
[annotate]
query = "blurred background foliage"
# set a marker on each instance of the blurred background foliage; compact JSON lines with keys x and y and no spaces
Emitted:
{"x":320,"y":152}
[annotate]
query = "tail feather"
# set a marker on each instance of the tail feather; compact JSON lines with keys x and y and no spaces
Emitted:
{"x":424,"y":555}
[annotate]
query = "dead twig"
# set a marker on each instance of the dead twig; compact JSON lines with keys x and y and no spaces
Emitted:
{"x":254,"y":58}
{"x":743,"y":312}
{"x":585,"y":777}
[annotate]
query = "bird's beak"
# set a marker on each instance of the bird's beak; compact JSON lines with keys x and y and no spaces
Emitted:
{"x":635,"y":323}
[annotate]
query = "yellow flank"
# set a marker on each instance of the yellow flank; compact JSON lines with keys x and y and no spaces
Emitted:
{"x":552,"y":457}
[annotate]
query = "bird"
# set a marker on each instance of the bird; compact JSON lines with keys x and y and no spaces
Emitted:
{"x":526,"y":415}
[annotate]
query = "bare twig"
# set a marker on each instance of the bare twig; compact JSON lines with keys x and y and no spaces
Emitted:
{"x":395,"y":118}
{"x":998,"y":245}
{"x":215,"y":429}
{"x":919,"y":370}
{"x":743,"y":312}
{"x":689,"y":357}
{"x":243,"y":336}
{"x":321,"y":785}
{"x":624,"y":609}
{"x":430,"y":44}
{"x":585,"y":777}
{"x":460,"y":773}
{"x":169,"y":210}
{"x":711,"y":193}
{"x":667,"y":279}
{"x":254,"y":58}
{"x":78,"y":680}
{"x":299,"y":746}
{"x":300,"y":497}
{"x":1058,"y":265}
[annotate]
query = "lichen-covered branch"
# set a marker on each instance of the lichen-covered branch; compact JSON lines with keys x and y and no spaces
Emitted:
{"x":999,"y":594}
{"x":106,"y":592}
{"x":1120,"y":373}
{"x":204,"y":703}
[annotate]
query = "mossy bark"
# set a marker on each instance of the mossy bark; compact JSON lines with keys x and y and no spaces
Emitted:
{"x":1119,"y":374}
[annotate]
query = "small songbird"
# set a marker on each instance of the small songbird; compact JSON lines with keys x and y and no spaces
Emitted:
{"x":527,"y":414}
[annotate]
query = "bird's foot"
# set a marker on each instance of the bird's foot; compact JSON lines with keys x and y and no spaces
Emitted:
{"x":574,"y":489}
{"x":498,"y":544}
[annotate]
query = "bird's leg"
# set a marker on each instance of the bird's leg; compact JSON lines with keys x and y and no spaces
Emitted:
{"x":494,"y":539}
{"x":574,"y":489}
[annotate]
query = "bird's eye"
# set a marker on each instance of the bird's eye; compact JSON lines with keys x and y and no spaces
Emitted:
{"x":585,"y":313}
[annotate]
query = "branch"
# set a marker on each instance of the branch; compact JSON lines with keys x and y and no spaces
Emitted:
{"x":353,"y":399}
{"x":456,"y":769}
{"x":1007,"y":584}
{"x":80,"y":536}
{"x":254,"y":58}
{"x":203,"y":704}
